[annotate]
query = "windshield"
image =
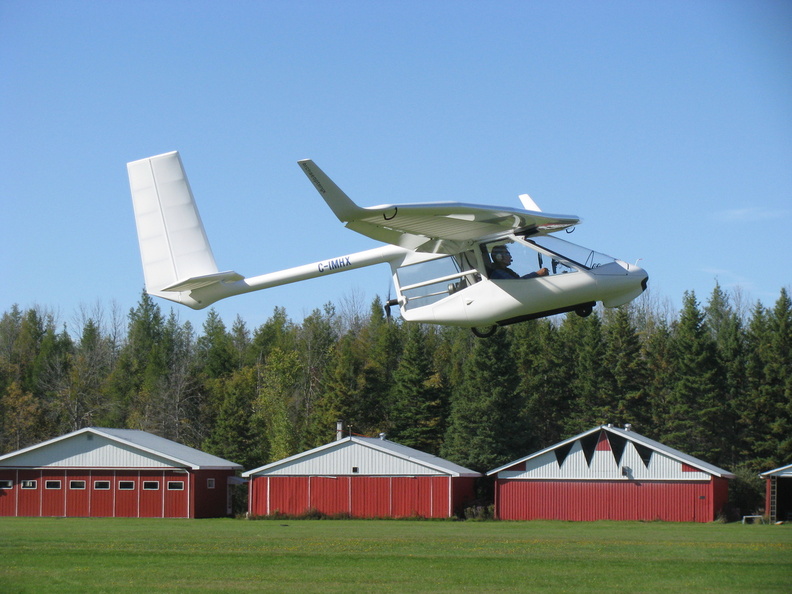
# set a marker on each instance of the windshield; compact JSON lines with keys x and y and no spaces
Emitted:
{"x":578,"y":254}
{"x":540,"y":256}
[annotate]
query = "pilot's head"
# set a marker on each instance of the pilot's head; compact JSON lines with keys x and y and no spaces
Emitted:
{"x":501,"y":255}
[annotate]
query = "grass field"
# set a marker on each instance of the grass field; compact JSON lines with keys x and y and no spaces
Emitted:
{"x":117,"y":555}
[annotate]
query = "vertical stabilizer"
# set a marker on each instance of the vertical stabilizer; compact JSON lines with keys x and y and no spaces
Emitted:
{"x":173,"y":243}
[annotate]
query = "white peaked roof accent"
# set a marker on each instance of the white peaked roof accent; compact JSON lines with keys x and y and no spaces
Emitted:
{"x":783,"y":471}
{"x":98,"y":447}
{"x":370,"y":456}
{"x":581,"y":455}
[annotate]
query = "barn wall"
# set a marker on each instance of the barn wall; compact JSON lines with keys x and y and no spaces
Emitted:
{"x":358,"y":496}
{"x":610,"y":500}
{"x":208,"y":501}
{"x":154,"y":493}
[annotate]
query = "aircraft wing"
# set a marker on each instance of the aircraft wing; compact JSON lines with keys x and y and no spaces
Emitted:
{"x":432,"y":226}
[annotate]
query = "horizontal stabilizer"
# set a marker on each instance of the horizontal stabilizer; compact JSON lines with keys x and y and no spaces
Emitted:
{"x":198,"y":282}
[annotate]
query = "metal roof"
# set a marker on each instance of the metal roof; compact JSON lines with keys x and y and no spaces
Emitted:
{"x":137,"y":445}
{"x":635,"y":438}
{"x":785,"y":471}
{"x":414,"y":459}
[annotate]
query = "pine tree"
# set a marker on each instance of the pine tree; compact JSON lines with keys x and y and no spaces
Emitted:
{"x":546,"y":377}
{"x":235,"y":435}
{"x":592,"y":382}
{"x":485,"y":426}
{"x":695,"y":415}
{"x":416,"y":401}
{"x":627,"y":369}
{"x":727,"y":333}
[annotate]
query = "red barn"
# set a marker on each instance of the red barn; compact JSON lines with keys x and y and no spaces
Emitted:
{"x":778,"y":493}
{"x":362,"y":477}
{"x":609,"y":473}
{"x":97,"y":472}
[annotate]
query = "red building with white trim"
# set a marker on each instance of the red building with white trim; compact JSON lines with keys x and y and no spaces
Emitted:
{"x":97,"y":472}
{"x":361,"y":477}
{"x":608,"y":473}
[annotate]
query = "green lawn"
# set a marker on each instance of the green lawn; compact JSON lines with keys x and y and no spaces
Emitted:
{"x":61,"y":555}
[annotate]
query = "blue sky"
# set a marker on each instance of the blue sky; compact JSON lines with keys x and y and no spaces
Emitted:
{"x":666,"y":126}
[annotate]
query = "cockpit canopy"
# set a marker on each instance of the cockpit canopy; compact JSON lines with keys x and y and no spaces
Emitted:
{"x":429,"y":281}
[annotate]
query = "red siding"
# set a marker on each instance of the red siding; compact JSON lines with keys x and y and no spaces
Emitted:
{"x":126,"y":501}
{"x":371,"y":496}
{"x":150,"y":500}
{"x":29,"y":500}
{"x":328,"y":495}
{"x":195,"y":500}
{"x":78,"y":501}
{"x":176,"y":501}
{"x":102,"y":501}
{"x":359,"y":496}
{"x":53,"y":501}
{"x":410,"y":497}
{"x":610,"y":500}
{"x":209,"y":502}
{"x":286,"y":494}
{"x":8,"y":496}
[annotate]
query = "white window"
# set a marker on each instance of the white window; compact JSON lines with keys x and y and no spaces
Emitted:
{"x":210,"y":483}
{"x":77,"y":485}
{"x":102,"y":485}
{"x":151,"y":485}
{"x":52,"y":484}
{"x":176,"y":485}
{"x":126,"y":485}
{"x":6,"y":484}
{"x":29,"y":484}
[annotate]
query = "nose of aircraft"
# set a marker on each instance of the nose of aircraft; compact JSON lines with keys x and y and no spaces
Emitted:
{"x":623,"y":288}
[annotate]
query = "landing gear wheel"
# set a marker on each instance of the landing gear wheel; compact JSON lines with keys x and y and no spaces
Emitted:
{"x":485,"y":332}
{"x":584,"y":311}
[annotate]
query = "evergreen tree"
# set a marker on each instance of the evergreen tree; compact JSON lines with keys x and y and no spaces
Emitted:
{"x":592,"y":381}
{"x":140,"y":367}
{"x":235,"y":435}
{"x":485,"y":427}
{"x":695,"y":415}
{"x":767,"y":413}
{"x":627,"y":369}
{"x":416,"y":409}
{"x":545,"y":381}
{"x":727,"y":332}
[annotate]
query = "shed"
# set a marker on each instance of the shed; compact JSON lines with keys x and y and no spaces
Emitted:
{"x":361,"y":477}
{"x":98,"y":472}
{"x":778,"y":493}
{"x":608,"y":473}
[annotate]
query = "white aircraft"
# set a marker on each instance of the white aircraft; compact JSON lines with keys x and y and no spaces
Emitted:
{"x":450,"y":261}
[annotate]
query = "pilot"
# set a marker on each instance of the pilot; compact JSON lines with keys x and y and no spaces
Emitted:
{"x":501,"y":259}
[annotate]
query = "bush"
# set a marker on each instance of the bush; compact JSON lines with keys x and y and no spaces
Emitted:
{"x":746,"y":492}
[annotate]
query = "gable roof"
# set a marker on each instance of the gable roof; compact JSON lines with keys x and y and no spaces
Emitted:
{"x":301,"y":463}
{"x":785,"y":471}
{"x":137,"y":446}
{"x":589,"y":441}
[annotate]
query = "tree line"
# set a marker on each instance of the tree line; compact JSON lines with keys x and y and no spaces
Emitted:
{"x":713,"y":380}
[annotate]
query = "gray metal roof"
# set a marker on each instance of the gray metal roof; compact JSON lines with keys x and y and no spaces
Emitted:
{"x":785,"y":471}
{"x":630,"y":435}
{"x":432,"y":464}
{"x":142,"y":442}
